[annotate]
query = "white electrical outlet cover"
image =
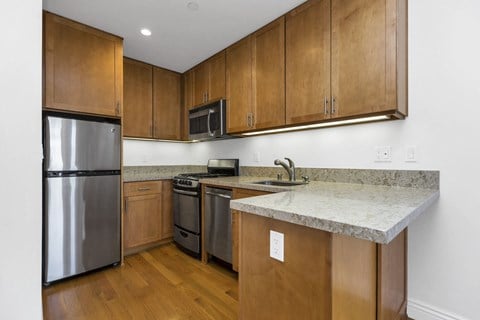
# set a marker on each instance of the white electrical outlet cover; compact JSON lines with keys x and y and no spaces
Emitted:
{"x":276,"y":245}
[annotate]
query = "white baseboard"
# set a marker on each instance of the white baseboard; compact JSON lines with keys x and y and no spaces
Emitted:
{"x":420,"y":311}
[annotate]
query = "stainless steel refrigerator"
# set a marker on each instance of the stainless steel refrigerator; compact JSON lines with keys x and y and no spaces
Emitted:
{"x":82,"y":205}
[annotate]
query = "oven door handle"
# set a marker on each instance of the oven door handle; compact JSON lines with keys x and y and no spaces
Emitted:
{"x":218,"y":195}
{"x":187,"y":193}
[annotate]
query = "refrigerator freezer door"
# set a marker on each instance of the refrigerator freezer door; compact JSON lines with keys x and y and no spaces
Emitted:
{"x":73,"y":145}
{"x":82,"y":225}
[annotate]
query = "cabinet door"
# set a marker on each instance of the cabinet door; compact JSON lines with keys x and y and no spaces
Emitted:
{"x":83,"y":68}
{"x":187,"y":101}
{"x":167,"y":209}
{"x":200,"y":83}
{"x":142,"y":220}
{"x":166,"y":104}
{"x":239,"y":85}
{"x":308,"y":62}
{"x":137,"y":97}
{"x":216,"y":89}
{"x":268,"y":67}
{"x":363,"y":56}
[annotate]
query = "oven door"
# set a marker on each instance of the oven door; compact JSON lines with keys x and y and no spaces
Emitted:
{"x":186,"y":210}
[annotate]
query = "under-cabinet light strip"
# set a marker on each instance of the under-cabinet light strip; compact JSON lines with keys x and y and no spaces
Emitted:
{"x":319,"y":125}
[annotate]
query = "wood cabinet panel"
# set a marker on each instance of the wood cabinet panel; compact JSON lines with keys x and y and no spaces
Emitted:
{"x":200,"y":83}
{"x":236,"y":223}
{"x":363,"y":56}
{"x":308,"y":62}
{"x":239,"y":85}
{"x":298,"y":288}
{"x":187,"y":102}
{"x":166,"y":104}
{"x":167,"y":209}
{"x":138,"y":95}
{"x":209,"y":79}
{"x":268,"y":75}
{"x":148,"y":214}
{"x":354,"y":278}
{"x":216,"y":88}
{"x":142,"y":220}
{"x":141,"y":188}
{"x":83,"y":68}
{"x":392,"y":279}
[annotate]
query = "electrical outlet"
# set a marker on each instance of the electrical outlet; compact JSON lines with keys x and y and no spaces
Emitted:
{"x":383,"y":154}
{"x":256,"y":156}
{"x":411,"y":154}
{"x":276,"y":245}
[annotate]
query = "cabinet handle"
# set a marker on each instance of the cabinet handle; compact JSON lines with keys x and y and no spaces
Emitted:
{"x":117,"y":108}
{"x":333,"y":105}
{"x":143,"y":189}
{"x":248,"y":120}
{"x":253,"y":120}
{"x":207,"y":96}
{"x":325,"y":105}
{"x":126,"y":206}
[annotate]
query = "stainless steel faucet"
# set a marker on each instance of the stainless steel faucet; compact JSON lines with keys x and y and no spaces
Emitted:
{"x":290,"y":167}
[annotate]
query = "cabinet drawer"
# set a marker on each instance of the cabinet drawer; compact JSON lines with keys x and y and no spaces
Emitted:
{"x":141,"y":188}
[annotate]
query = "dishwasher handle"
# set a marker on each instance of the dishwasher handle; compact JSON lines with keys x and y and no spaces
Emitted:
{"x":218,"y":195}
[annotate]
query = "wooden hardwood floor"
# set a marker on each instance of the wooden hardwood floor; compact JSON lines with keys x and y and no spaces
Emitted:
{"x":161,"y":283}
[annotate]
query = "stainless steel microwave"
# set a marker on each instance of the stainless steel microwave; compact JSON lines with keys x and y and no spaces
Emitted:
{"x":208,"y":122}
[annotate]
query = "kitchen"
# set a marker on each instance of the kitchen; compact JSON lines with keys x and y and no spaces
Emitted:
{"x":442,"y":270}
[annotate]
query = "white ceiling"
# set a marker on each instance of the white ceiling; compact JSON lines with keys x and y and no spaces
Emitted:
{"x":181,"y":37}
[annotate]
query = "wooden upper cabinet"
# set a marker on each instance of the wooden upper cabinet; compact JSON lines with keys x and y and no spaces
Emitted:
{"x":268,"y":75}
{"x":308,"y":62}
{"x":137,"y":97}
{"x":256,"y":80}
{"x":201,"y":74}
{"x":368,"y":56}
{"x":239,"y":86}
{"x":209,"y":80}
{"x":187,"y":79}
{"x":83,"y":68}
{"x":166,"y":104}
{"x":216,"y":88}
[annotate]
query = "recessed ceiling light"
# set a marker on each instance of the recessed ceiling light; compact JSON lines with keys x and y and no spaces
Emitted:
{"x":146,"y":32}
{"x":193,"y":6}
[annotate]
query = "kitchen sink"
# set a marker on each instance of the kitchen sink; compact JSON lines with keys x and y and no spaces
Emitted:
{"x":280,"y":183}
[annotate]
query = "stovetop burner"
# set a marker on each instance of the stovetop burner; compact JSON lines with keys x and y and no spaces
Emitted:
{"x":216,"y":168}
{"x":199,"y":175}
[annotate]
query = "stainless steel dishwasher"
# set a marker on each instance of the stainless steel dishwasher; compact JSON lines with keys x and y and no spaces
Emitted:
{"x":218,"y":223}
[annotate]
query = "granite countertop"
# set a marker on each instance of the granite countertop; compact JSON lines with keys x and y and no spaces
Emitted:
{"x":371,"y":212}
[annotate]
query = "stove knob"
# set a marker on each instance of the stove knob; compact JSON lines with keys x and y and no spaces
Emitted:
{"x":189,"y":183}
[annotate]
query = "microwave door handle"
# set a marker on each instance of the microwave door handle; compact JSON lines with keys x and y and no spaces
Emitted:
{"x":210,"y":133}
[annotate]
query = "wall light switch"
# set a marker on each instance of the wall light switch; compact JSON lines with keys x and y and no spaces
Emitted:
{"x":383,"y":154}
{"x":276,"y":245}
{"x":411,"y":154}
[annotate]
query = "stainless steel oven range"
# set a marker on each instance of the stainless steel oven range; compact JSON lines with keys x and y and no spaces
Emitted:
{"x":187,"y":203}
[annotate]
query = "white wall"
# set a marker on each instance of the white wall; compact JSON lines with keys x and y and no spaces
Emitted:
{"x":20,"y":160}
{"x":444,"y":100}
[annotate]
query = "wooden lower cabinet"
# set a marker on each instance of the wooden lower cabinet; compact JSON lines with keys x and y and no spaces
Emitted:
{"x":323,"y":276}
{"x":148,"y":215}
